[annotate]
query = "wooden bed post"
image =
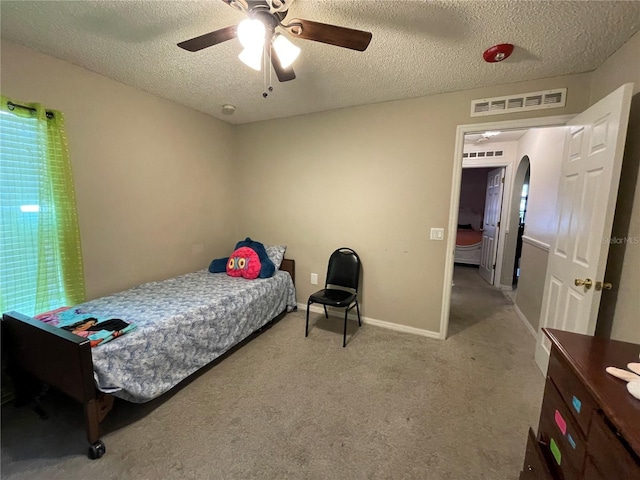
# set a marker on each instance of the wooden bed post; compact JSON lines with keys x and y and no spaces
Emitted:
{"x":289,"y":265}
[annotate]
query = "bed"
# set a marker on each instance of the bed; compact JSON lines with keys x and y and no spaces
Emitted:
{"x":182,"y":324}
{"x":468,"y":246}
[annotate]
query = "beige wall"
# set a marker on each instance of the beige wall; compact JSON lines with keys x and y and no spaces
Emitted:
{"x":544,"y":147}
{"x":533,"y":269}
{"x":152,"y":178}
{"x":620,"y":68}
{"x":375,"y":178}
{"x":623,"y":67}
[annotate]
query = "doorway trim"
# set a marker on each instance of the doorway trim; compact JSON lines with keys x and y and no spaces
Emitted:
{"x":454,"y":201}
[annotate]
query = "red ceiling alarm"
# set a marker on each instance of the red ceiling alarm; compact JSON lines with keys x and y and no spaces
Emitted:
{"x":497,"y":53}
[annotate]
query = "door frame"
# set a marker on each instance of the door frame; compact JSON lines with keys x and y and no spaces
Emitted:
{"x":454,"y":201}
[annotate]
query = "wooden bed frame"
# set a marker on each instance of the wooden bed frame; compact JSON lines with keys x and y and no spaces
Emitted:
{"x":62,"y":360}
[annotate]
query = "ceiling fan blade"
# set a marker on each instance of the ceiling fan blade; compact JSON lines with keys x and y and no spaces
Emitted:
{"x":209,"y":39}
{"x":331,"y":34}
{"x":283,"y":74}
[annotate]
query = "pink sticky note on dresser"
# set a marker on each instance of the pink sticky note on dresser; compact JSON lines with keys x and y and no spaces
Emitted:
{"x":562,"y":425}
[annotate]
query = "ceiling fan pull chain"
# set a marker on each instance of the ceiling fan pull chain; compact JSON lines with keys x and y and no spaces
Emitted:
{"x":266,"y":66}
{"x":269,"y":66}
{"x":264,"y":73}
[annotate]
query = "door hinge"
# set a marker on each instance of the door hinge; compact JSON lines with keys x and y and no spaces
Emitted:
{"x":502,"y":179}
{"x":498,"y":224}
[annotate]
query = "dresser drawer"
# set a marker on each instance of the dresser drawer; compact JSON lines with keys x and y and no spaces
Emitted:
{"x":535,"y":467}
{"x":579,"y":400}
{"x":564,"y":445}
{"x":609,"y":454}
{"x":591,"y":472}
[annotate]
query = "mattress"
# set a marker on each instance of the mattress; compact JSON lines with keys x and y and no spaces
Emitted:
{"x":468,"y":238}
{"x":183,"y":324}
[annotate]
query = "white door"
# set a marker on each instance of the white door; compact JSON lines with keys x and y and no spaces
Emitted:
{"x":594,"y":145}
{"x":491,"y":224}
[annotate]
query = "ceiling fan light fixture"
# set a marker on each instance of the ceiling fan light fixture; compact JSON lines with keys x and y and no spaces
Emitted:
{"x":287,"y":51}
{"x":252,"y":58}
{"x":251,"y":33}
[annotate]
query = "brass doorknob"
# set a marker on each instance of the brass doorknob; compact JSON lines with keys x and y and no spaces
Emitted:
{"x":603,"y":286}
{"x":586,"y":283}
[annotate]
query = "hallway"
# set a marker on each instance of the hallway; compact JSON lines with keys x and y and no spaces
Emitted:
{"x":475,"y":303}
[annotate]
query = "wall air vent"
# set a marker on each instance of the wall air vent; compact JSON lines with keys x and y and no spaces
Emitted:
{"x":483,"y":154}
{"x":515,"y":103}
{"x":498,"y":105}
{"x":533,"y":101}
{"x":519,"y":103}
{"x":482,"y":107}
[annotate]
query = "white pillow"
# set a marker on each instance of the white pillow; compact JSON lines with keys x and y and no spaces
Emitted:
{"x":275,"y":254}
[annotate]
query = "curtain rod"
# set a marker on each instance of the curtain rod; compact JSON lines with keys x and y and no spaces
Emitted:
{"x":13,"y":105}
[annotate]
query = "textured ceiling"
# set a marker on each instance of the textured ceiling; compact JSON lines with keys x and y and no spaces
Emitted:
{"x":418,"y":48}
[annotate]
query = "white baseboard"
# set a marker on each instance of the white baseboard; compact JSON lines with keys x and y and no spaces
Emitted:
{"x":525,"y":321}
{"x":378,"y":323}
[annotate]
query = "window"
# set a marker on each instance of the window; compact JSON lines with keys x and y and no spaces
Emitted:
{"x":40,"y":257}
{"x":524,"y":196}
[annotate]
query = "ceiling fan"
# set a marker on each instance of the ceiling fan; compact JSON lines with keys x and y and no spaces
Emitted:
{"x":258,"y":35}
{"x":484,"y":137}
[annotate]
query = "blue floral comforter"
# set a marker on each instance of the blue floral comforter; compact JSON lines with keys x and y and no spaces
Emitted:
{"x":183,"y":323}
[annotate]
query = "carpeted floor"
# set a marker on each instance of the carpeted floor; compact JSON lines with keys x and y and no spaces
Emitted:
{"x":389,"y":406}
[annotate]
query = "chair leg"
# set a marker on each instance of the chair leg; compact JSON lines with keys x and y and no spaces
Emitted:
{"x":326,"y":314}
{"x":306,"y":328}
{"x":358,"y":310}
{"x":344,"y":336}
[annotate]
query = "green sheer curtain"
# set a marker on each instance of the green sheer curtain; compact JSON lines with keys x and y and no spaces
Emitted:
{"x":40,"y":255}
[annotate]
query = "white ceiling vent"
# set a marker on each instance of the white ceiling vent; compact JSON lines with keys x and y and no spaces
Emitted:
{"x":519,"y":103}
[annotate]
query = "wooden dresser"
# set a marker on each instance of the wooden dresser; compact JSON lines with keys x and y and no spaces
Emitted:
{"x":589,"y":423}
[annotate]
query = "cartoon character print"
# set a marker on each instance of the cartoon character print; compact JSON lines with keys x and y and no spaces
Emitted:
{"x":244,"y":262}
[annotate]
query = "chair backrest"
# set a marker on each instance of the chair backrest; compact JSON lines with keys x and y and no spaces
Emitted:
{"x":344,"y":269}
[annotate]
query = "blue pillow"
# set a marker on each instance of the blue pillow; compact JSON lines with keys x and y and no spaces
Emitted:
{"x":218,"y":265}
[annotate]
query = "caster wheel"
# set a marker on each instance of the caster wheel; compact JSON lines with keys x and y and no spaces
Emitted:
{"x":97,"y":450}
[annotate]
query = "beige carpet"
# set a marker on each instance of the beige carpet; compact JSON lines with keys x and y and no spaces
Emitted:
{"x":389,"y":406}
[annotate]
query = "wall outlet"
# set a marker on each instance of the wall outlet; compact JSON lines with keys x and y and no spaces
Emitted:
{"x":314,"y":279}
{"x":437,"y":234}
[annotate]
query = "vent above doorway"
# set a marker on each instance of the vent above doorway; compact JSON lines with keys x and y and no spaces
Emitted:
{"x":483,"y":154}
{"x":519,"y":103}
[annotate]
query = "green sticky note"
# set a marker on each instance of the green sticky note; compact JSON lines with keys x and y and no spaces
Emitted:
{"x":555,"y":450}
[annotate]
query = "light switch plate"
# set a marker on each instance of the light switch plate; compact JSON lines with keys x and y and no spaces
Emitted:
{"x":437,"y":234}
